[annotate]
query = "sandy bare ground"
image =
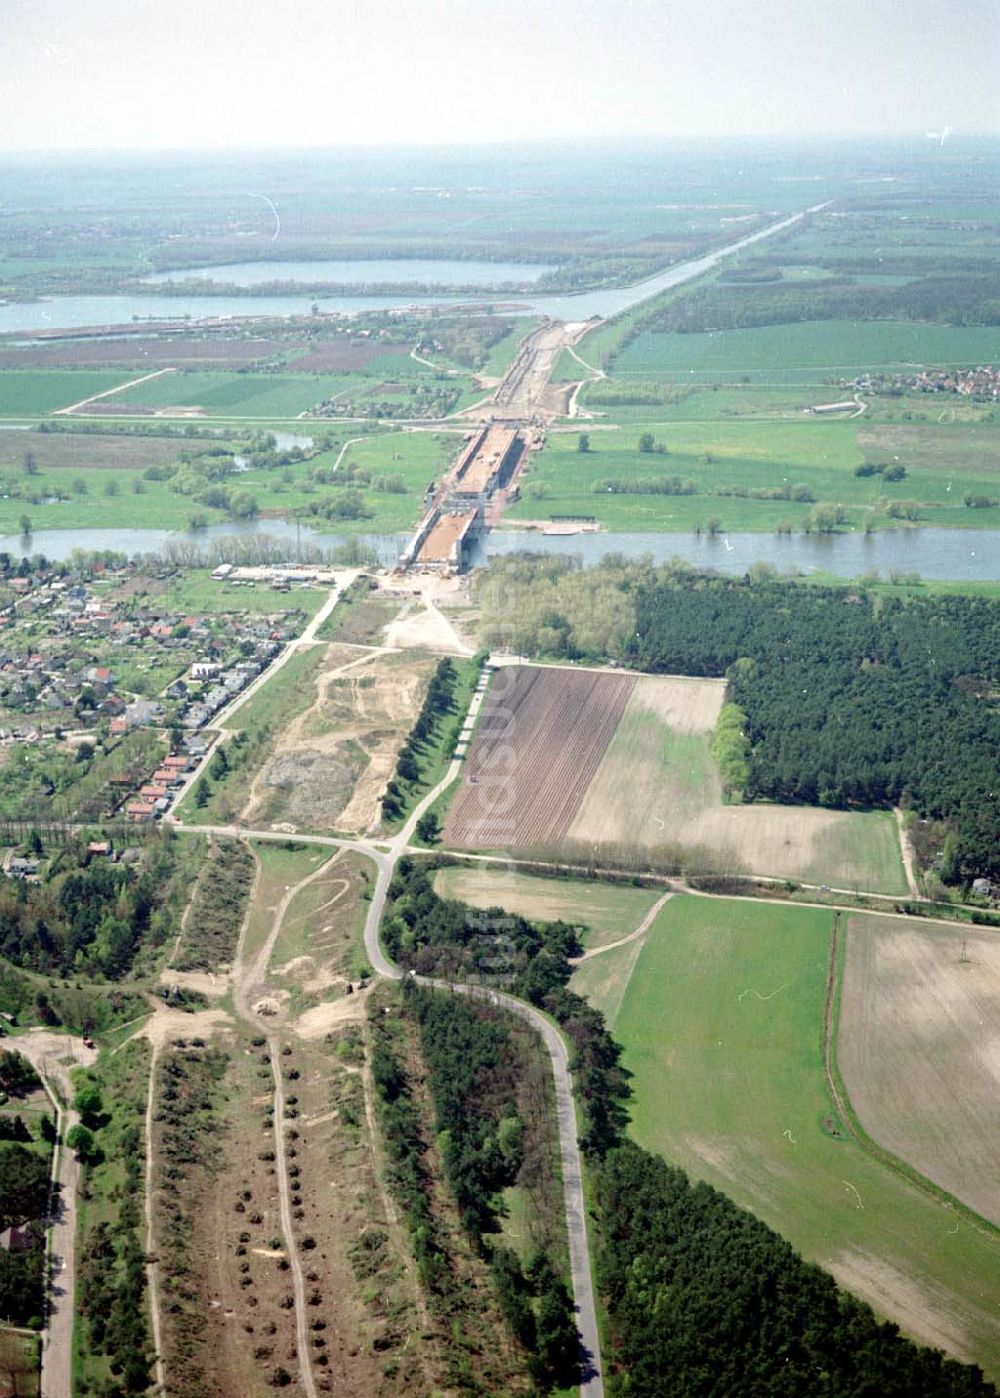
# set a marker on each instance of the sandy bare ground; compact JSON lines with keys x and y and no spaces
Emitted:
{"x":330,"y":766}
{"x":425,"y":628}
{"x":203,"y":982}
{"x":335,"y":1014}
{"x":167,"y":1026}
{"x":919,"y":1050}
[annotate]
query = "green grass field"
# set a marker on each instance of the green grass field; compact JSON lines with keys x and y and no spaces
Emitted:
{"x":943,"y":462}
{"x":722,"y":1026}
{"x":806,"y":352}
{"x":29,"y":392}
{"x":606,"y":911}
{"x":223,"y":394}
{"x":281,"y":867}
{"x":197,"y":592}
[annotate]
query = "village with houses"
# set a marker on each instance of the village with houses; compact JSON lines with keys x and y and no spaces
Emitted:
{"x":107,"y":692}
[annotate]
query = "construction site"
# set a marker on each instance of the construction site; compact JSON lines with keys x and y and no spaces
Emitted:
{"x":460,"y":508}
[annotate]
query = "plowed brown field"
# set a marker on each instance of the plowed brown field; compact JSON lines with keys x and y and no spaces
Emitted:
{"x":540,"y":738}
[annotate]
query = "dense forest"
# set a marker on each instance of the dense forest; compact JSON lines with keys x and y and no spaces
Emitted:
{"x":702,"y":1292}
{"x":489,"y":1136}
{"x":850,"y":699}
{"x":86,"y":915}
{"x":442,"y":937}
{"x":725,"y":305}
{"x":24,"y":1194}
{"x":703,"y":1299}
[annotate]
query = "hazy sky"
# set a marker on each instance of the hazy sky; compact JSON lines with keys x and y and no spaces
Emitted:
{"x":169,"y":73}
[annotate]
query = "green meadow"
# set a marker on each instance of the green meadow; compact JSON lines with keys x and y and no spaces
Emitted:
{"x":806,"y":352}
{"x":728,"y":458}
{"x":721,"y":1021}
{"x":29,"y":392}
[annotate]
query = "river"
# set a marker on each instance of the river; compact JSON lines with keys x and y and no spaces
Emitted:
{"x":962,"y":554}
{"x":75,"y":312}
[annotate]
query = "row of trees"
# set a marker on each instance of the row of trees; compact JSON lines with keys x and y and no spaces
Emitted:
{"x":965,"y":299}
{"x":439,"y":702}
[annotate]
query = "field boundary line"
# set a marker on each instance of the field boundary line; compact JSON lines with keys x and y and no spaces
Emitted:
{"x":110,"y":392}
{"x":842,"y":1101}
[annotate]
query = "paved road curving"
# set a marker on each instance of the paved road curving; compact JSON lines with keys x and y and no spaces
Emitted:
{"x":53,"y":1057}
{"x":592,"y":1383}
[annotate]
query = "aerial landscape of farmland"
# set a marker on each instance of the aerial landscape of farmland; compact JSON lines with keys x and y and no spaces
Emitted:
{"x":499,"y":711}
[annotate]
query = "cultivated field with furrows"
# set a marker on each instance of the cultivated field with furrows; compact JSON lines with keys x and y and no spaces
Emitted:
{"x":539,"y":740}
{"x":331,"y":764}
{"x":919,"y":1050}
{"x":598,"y":765}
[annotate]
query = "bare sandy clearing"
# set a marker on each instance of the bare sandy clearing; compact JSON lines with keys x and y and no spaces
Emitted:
{"x":329,"y":768}
{"x":203,"y":982}
{"x":919,"y":1050}
{"x":321,"y":1019}
{"x":424,"y":628}
{"x":168,"y":1026}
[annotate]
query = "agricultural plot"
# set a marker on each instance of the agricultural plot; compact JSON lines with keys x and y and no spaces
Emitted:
{"x":540,"y":737}
{"x":229,"y":395}
{"x":724,"y":447}
{"x":617,"y":768}
{"x":721,"y":1021}
{"x":807,"y":352}
{"x":30,"y":392}
{"x":919,"y":1049}
{"x":658,"y":785}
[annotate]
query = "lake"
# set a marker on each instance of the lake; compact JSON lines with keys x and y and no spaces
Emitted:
{"x":366,"y":272}
{"x":962,"y":554}
{"x":74,"y":312}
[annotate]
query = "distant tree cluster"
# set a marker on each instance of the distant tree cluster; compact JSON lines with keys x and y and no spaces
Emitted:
{"x":965,"y":299}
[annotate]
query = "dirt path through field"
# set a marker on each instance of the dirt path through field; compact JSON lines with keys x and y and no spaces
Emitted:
{"x":906,"y":850}
{"x":640,"y":931}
